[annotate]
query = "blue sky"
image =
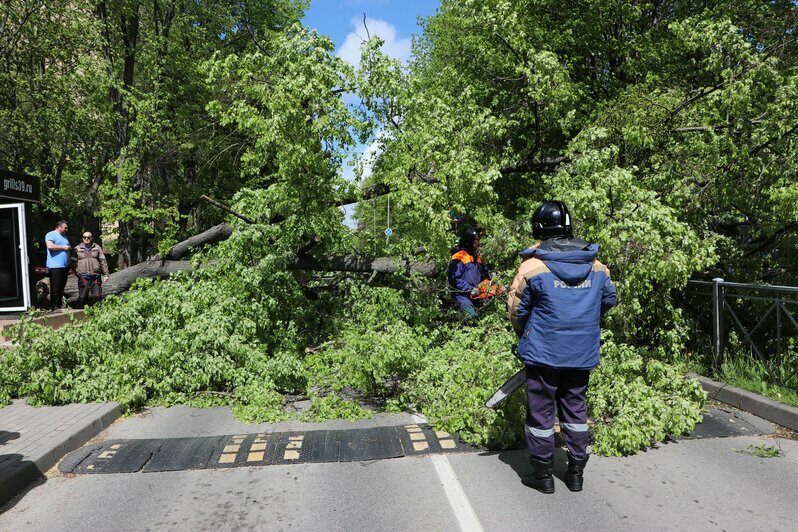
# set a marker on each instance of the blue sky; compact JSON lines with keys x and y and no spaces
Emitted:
{"x":393,"y":20}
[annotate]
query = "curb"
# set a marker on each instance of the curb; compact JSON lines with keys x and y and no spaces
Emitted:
{"x":764,"y":407}
{"x":53,"y":321}
{"x":35,"y":466}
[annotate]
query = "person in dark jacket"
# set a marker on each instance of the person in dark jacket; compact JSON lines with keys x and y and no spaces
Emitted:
{"x":555,"y":304}
{"x":466,"y":271}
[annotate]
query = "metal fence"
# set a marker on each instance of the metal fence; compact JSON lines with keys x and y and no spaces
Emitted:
{"x":762,"y":316}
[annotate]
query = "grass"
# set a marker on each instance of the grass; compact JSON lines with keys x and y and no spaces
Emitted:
{"x":751,"y":374}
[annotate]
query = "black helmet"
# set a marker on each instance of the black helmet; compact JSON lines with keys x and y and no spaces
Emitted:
{"x":551,"y":220}
{"x":468,"y":237}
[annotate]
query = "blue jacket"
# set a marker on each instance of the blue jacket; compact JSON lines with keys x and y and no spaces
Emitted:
{"x":465,"y":273}
{"x":555,"y":304}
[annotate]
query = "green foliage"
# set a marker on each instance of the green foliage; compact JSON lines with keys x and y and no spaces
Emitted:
{"x":333,"y":406}
{"x":460,"y":374}
{"x":763,"y":450}
{"x":636,"y":399}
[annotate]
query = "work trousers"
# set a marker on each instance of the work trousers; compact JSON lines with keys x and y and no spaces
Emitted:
{"x":58,"y":280}
{"x":89,"y":290}
{"x":565,"y":389}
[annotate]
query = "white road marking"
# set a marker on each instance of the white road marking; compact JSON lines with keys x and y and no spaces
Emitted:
{"x":458,"y":500}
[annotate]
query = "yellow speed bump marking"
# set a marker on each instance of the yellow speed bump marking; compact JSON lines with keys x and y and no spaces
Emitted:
{"x":227,"y":458}
{"x":231,"y":448}
{"x":294,"y":443}
{"x":258,"y":447}
{"x":441,"y":434}
{"x":117,"y":446}
{"x":255,"y":457}
{"x":416,"y":436}
{"x":413,"y":428}
{"x":106,"y":454}
{"x":420,"y":446}
{"x":447,"y":444}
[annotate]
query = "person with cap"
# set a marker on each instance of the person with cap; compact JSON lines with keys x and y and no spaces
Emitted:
{"x":57,"y":262}
{"x":466,"y":271}
{"x":91,"y":264}
{"x":555,"y":304}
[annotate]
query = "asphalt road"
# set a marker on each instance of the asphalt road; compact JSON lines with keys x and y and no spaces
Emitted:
{"x":688,"y":485}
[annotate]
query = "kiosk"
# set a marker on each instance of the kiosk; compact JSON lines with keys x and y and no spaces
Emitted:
{"x":17,"y":193}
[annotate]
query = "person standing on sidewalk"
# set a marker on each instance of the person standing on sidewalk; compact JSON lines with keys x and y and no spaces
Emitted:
{"x":91,"y":264}
{"x":57,"y":262}
{"x":555,"y":304}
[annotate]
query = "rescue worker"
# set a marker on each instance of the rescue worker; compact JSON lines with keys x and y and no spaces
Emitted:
{"x":91,"y":263}
{"x":555,"y":303}
{"x":466,"y":271}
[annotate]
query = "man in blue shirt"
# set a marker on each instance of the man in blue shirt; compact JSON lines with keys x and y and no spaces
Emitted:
{"x":57,"y":262}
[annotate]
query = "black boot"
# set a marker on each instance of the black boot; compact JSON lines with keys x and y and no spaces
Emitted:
{"x":574,"y":476}
{"x":541,"y":478}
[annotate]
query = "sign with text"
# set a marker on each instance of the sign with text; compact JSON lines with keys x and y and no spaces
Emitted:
{"x":21,"y":187}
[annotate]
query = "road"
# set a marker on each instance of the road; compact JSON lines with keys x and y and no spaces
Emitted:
{"x":705,"y":484}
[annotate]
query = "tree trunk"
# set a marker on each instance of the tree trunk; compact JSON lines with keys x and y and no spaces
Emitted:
{"x":350,"y":263}
{"x":215,"y":234}
{"x":121,"y":281}
{"x":162,"y":267}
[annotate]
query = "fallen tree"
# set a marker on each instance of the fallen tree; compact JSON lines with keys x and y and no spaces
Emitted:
{"x":161,"y":267}
{"x":120,"y":282}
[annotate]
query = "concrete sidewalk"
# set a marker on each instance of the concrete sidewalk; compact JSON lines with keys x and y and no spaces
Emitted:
{"x":32,"y":440}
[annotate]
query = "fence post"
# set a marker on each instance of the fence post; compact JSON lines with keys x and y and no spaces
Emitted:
{"x":717,"y":320}
{"x":779,"y":351}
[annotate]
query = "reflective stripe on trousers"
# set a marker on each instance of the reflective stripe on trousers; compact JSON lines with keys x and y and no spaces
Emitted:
{"x":538,"y":433}
{"x":574,"y":427}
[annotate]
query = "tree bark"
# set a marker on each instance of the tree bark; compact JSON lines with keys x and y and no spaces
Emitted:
{"x":213,"y":235}
{"x":121,"y":281}
{"x":351,"y":263}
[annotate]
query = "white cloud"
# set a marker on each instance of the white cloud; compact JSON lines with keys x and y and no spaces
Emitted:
{"x":371,"y":153}
{"x":398,"y":48}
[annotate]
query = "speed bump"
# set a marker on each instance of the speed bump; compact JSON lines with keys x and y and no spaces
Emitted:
{"x":174,"y":454}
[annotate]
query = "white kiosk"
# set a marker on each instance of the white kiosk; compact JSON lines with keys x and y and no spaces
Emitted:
{"x":17,"y":192}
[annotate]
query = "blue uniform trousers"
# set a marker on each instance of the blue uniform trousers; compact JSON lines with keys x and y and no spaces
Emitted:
{"x":564,"y":388}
